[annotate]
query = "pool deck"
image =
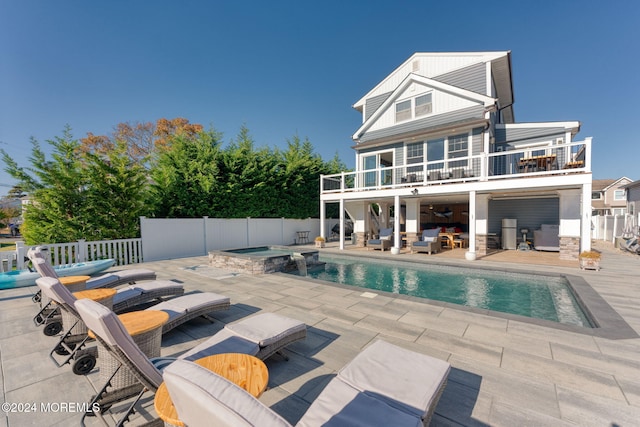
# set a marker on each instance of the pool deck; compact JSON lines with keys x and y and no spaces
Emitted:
{"x":505,"y":372}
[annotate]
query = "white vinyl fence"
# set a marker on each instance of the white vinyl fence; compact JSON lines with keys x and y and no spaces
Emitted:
{"x":607,"y":227}
{"x":168,"y":238}
{"x":124,"y":251}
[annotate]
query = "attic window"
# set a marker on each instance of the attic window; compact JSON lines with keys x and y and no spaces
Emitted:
{"x":403,"y":110}
{"x":423,"y":105}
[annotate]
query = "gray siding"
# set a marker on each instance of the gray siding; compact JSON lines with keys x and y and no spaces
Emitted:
{"x":633,"y":194}
{"x":425,"y":124}
{"x":520,"y":136}
{"x":476,"y":144}
{"x":372,"y":104}
{"x":530,"y":213}
{"x":473,"y":78}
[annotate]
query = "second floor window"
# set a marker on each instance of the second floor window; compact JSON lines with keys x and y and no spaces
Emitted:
{"x":596,"y":195}
{"x":458,"y":147}
{"x":619,"y":195}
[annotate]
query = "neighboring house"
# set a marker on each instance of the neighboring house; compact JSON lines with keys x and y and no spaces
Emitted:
{"x":633,"y":201}
{"x":609,"y":196}
{"x":440,"y":146}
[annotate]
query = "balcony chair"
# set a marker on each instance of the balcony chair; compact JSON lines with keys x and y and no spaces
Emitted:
{"x":383,"y":241}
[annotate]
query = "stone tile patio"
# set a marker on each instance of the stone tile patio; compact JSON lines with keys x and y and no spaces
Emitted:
{"x":505,"y":372}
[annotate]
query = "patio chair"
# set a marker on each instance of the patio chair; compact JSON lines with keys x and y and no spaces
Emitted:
{"x":261,"y":335}
{"x":383,"y":241}
{"x":371,"y":390}
{"x":429,"y":242}
{"x":71,"y":343}
{"x":131,"y":296}
{"x":107,"y":280}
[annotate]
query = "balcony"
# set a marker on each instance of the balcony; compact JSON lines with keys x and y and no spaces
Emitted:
{"x":532,"y":161}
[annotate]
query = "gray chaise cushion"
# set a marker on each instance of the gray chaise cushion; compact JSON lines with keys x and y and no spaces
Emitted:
{"x":203,"y":398}
{"x":224,"y":341}
{"x":340,"y":405}
{"x":105,"y":324}
{"x":267,"y":328}
{"x":187,"y":303}
{"x":404,"y":379}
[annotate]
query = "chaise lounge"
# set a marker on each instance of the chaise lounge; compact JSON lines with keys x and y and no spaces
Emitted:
{"x":374,"y":389}
{"x":71,"y":344}
{"x":429,"y":242}
{"x":261,"y":335}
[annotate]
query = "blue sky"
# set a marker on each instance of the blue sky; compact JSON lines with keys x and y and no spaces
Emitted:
{"x":295,"y":67}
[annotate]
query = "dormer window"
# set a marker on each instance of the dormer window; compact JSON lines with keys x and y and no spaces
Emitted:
{"x":403,"y":110}
{"x":423,"y":105}
{"x":415,"y":107}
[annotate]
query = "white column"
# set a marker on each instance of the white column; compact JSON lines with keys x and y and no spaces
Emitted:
{"x":471,"y":253}
{"x":323,"y":219}
{"x":570,"y":213}
{"x":396,"y":223}
{"x":341,"y":224}
{"x":412,"y":220}
{"x":585,"y":238}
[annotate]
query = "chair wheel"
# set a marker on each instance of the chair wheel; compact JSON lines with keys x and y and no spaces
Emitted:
{"x":84,"y":364}
{"x":52,"y":329}
{"x":63,"y":351}
{"x":39,"y":319}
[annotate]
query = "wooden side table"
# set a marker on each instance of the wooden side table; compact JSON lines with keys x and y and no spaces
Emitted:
{"x":145,"y":327}
{"x":248,"y":372}
{"x":75,"y":283}
{"x":103,"y":296}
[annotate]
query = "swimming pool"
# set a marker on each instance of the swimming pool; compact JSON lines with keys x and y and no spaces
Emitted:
{"x":541,"y":297}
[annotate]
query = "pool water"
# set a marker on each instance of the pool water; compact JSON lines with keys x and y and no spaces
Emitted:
{"x":542,"y":297}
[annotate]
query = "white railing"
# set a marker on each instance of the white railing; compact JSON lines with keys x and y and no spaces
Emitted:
{"x":531,"y":161}
{"x":123,"y":251}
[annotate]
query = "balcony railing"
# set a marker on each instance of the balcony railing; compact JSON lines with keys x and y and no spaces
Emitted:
{"x":532,"y":161}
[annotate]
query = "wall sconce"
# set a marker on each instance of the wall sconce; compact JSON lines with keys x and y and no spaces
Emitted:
{"x":414,"y":191}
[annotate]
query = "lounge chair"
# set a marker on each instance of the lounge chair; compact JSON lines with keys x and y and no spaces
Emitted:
{"x":261,"y":335}
{"x":132,"y":296}
{"x":107,"y":280}
{"x":384,"y":385}
{"x":383,"y":241}
{"x":71,"y":344}
{"x":429,"y":242}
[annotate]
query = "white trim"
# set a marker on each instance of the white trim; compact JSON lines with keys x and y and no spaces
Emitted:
{"x":486,"y":56}
{"x":433,"y":84}
{"x":528,"y":125}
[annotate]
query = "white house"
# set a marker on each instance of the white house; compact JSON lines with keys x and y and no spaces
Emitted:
{"x":439,"y":146}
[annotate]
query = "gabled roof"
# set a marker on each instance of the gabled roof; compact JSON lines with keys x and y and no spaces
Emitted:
{"x":487,"y":101}
{"x":500,"y":65}
{"x":632,"y":184}
{"x":605,"y":184}
{"x":615,"y":183}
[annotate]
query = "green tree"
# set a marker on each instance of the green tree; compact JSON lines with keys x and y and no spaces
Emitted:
{"x":115,"y":198}
{"x":185,"y":177}
{"x":76,"y":195}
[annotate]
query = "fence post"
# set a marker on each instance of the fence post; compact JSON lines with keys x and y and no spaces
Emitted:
{"x":81,"y":256}
{"x":21,"y":252}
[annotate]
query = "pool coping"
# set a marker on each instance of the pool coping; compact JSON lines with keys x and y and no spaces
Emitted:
{"x":607,"y":322}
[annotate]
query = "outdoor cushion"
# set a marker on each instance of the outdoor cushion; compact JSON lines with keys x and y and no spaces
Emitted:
{"x":224,"y":341}
{"x":339,"y":405}
{"x":267,"y":328}
{"x":106,"y":324}
{"x":404,"y":379}
{"x":429,"y":239}
{"x":374,"y":242}
{"x":204,"y":398}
